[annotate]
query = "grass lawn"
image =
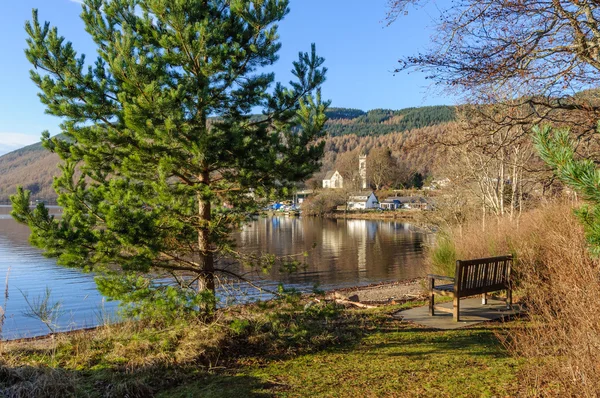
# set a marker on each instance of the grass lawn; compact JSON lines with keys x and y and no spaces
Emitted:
{"x":359,"y":353}
{"x":393,"y":359}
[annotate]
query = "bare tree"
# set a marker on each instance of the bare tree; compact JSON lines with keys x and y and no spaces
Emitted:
{"x":492,"y":162}
{"x":544,"y":52}
{"x":347,"y":165}
{"x":381,"y":167}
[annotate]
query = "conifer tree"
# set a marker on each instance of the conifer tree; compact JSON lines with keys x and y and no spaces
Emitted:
{"x":161,"y":159}
{"x":557,"y":149}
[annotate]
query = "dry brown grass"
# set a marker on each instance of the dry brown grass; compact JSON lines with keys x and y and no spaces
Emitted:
{"x":130,"y":359}
{"x":143,"y":358}
{"x":559,"y":282}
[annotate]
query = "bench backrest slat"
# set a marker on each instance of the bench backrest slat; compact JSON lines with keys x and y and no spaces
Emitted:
{"x":476,"y":276}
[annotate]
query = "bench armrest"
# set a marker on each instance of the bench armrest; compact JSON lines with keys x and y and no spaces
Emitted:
{"x":440,"y":277}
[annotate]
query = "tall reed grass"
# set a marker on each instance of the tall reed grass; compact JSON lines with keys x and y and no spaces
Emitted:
{"x":559,"y":283}
{"x":3,"y":306}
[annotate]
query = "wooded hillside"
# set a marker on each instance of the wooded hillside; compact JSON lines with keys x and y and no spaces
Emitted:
{"x":33,"y":167}
{"x":385,"y":121}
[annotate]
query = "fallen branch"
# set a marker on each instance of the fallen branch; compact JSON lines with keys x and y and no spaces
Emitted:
{"x":359,"y":305}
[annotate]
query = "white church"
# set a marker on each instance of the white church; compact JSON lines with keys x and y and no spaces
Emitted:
{"x":333,"y":179}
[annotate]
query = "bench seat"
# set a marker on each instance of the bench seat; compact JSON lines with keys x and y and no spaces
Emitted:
{"x":445,"y":288}
{"x":478,"y":276}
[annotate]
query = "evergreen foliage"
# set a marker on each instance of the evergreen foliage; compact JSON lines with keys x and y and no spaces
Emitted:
{"x":150,"y":185}
{"x":557,"y":149}
{"x":386,"y":121}
{"x":417,"y":181}
{"x":343,"y":113}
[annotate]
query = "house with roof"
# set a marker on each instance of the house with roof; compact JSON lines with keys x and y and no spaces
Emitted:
{"x":362,"y":201}
{"x":414,"y":202}
{"x":392,"y":203}
{"x":406,"y":202}
{"x":333,"y":179}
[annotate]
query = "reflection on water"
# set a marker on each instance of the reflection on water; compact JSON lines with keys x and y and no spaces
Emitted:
{"x":341,"y":253}
{"x":346,"y":252}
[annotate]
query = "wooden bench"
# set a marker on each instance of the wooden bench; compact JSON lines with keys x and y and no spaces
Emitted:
{"x":472,"y":277}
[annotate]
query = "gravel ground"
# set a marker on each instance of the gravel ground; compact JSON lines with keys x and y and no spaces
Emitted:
{"x":384,"y":293}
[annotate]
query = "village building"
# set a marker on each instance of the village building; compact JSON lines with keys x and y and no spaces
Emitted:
{"x":362,"y":201}
{"x":333,"y":179}
{"x":300,"y":196}
{"x":392,"y":203}
{"x":406,"y":202}
{"x":415,"y":202}
{"x":362,"y":170}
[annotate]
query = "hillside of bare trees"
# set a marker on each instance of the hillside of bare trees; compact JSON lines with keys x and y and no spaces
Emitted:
{"x":410,"y":153}
{"x":349,"y":130}
{"x":32,"y":167}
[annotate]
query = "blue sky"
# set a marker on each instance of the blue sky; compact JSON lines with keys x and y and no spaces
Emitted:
{"x":360,"y":51}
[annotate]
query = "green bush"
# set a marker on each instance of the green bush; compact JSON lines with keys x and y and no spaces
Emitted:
{"x":443,"y":256}
{"x":240,"y":327}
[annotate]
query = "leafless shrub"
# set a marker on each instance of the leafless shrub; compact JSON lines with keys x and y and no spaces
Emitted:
{"x":324,"y":202}
{"x":559,"y":283}
{"x":27,"y":382}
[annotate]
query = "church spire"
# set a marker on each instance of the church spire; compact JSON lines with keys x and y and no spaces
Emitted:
{"x":362,"y":170}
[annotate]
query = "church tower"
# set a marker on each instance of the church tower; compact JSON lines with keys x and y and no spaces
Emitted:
{"x":362,"y":170}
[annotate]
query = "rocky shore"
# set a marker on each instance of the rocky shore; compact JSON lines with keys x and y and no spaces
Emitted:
{"x":383,"y":293}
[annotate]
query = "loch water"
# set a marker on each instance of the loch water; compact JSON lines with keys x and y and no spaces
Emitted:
{"x":341,"y":253}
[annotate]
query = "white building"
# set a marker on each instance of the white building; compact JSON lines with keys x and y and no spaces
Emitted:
{"x":362,"y":201}
{"x":362,"y":171}
{"x":437,"y":184}
{"x":333,"y":179}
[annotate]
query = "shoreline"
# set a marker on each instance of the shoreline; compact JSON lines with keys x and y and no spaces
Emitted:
{"x":404,"y":215}
{"x":383,"y":293}
{"x":400,"y":215}
{"x":378,"y":294}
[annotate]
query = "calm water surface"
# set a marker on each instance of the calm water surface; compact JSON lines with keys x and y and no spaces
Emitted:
{"x":341,"y":253}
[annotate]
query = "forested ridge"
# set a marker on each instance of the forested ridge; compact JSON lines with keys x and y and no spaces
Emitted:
{"x":384,"y":121}
{"x":33,"y":167}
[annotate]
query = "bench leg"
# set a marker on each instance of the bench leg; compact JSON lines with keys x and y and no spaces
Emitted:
{"x":455,"y":309}
{"x":509,"y":298}
{"x":484,"y":299}
{"x":431,"y":298}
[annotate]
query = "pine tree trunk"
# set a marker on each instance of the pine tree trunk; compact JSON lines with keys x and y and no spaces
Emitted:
{"x":207,"y":279}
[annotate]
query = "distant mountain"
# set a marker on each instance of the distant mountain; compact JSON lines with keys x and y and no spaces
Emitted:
{"x":34,"y":167}
{"x":385,"y":121}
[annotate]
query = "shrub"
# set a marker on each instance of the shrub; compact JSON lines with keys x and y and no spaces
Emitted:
{"x":323,"y":202}
{"x":558,"y":282}
{"x":442,"y":256}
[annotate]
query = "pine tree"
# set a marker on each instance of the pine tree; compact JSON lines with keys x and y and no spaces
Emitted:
{"x":557,"y":149}
{"x":161,"y":158}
